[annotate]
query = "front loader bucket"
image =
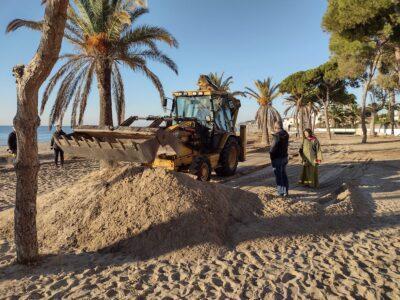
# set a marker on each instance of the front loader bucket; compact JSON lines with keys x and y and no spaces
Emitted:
{"x":131,"y":144}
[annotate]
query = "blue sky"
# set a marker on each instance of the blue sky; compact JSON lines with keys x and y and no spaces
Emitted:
{"x":248,"y":40}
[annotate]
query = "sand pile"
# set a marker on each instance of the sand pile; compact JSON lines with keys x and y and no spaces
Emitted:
{"x":150,"y":212}
{"x":146,"y":212}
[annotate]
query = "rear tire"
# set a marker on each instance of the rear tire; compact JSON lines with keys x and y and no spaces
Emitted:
{"x":229,"y":158}
{"x":201,"y":168}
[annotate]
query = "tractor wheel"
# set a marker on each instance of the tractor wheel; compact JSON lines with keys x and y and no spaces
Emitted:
{"x":229,"y":158}
{"x":201,"y":168}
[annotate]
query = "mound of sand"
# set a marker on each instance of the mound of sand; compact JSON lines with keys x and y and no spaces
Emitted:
{"x":146,"y":212}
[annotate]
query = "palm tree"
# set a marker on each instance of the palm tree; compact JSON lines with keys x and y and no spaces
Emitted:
{"x":296,"y":108}
{"x":105,"y":38}
{"x":312,"y":109}
{"x":353,"y":113}
{"x":302,"y":110}
{"x":344,"y":115}
{"x":337,"y":114}
{"x":266,"y":114}
{"x":224,"y":85}
{"x":378,"y":98}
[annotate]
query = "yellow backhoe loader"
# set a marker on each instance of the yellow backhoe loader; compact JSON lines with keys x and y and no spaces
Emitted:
{"x":199,"y":136}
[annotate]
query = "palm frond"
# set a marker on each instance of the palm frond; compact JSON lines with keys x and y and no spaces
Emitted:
{"x":73,"y":89}
{"x":85,"y":94}
{"x":148,"y":33}
{"x":62,"y":93}
{"x":138,"y":64}
{"x":86,"y":15}
{"x":156,"y":81}
{"x":252,"y":93}
{"x":266,"y":91}
{"x":137,"y":13}
{"x":74,"y":63}
{"x":238,"y":93}
{"x":18,"y":23}
{"x":158,"y":56}
{"x":78,"y":99}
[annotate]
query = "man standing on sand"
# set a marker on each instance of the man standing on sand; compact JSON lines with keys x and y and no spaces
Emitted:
{"x":57,"y":150}
{"x":279,"y":158}
{"x":12,"y":142}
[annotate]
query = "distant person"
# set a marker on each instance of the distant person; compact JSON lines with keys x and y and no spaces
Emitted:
{"x":279,"y":158}
{"x":58,"y":152}
{"x":311,"y":155}
{"x":12,"y":142}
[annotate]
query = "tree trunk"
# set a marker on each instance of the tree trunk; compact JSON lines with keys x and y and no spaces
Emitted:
{"x":26,"y":167}
{"x":314,"y":121}
{"x":103,"y":73}
{"x":397,"y":57}
{"x":302,"y":121}
{"x":309,"y":116}
{"x":372,"y":125}
{"x":327,"y":125}
{"x":326,"y":108}
{"x":29,"y":79}
{"x":363,"y":108}
{"x":392,"y":104}
{"x":264,"y":129}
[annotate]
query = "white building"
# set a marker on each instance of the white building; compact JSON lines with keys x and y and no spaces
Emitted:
{"x":289,"y":124}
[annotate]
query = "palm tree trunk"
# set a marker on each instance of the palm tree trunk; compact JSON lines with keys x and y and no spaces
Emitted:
{"x":392,"y":104}
{"x":266,"y":125}
{"x":103,"y":73}
{"x":29,"y":79}
{"x":264,"y":134}
{"x":314,"y":120}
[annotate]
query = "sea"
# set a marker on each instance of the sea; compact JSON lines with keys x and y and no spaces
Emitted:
{"x":44,"y":134}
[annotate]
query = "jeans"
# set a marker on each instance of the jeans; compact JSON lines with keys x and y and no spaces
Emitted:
{"x":58,"y":152}
{"x":282,"y":181}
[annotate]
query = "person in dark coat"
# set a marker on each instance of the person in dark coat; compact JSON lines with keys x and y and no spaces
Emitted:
{"x":12,"y":142}
{"x":279,"y":158}
{"x":58,"y":152}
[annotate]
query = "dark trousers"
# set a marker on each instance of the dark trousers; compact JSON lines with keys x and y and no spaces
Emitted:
{"x":58,"y":153}
{"x":282,"y":181}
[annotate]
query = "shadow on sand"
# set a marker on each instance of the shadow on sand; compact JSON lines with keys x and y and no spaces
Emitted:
{"x":162,"y":238}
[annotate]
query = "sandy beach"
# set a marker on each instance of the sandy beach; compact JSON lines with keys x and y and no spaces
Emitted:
{"x":230,"y":240}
